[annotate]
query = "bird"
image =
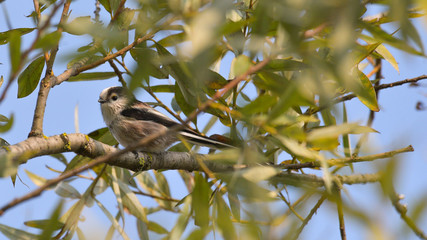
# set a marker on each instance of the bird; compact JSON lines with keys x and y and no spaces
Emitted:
{"x":130,"y":120}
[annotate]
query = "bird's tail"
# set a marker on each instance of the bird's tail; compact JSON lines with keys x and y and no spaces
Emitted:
{"x":216,"y":141}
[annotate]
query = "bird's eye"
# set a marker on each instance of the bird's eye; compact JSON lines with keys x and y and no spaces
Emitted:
{"x":115,"y":97}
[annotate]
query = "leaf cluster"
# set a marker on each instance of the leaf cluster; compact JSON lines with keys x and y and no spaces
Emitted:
{"x":288,"y":113}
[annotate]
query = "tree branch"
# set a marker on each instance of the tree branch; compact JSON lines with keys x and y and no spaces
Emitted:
{"x":83,"y":145}
{"x":402,"y":210}
{"x":377,"y":88}
{"x":46,"y":83}
{"x":343,"y":161}
{"x":383,"y":86}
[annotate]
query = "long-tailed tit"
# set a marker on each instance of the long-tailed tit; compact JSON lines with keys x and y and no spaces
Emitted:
{"x":130,"y":120}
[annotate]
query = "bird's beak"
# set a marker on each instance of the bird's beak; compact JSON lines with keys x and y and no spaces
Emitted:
{"x":100,"y":100}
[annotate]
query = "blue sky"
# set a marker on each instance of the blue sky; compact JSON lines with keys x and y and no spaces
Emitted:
{"x":398,"y":122}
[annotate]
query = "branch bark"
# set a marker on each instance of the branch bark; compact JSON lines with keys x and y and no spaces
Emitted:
{"x":83,"y":145}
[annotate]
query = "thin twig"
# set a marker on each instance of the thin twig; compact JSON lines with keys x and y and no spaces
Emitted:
{"x":377,"y":88}
{"x":148,"y":89}
{"x":340,"y":214}
{"x":291,"y":208}
{"x":401,"y":209}
{"x":309,"y":216}
{"x":155,"y":196}
{"x":383,"y":86}
{"x":343,"y":161}
{"x":118,"y":72}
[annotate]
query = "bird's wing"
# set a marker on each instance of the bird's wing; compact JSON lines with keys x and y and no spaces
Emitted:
{"x":148,"y":114}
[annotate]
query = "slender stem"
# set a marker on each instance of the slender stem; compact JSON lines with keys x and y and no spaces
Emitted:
{"x":309,"y":216}
{"x":401,"y":209}
{"x":377,"y":88}
{"x":155,"y":196}
{"x":340,"y":214}
{"x":291,"y":208}
{"x":342,"y":161}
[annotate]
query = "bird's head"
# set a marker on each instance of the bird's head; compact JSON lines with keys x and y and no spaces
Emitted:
{"x":113,"y":100}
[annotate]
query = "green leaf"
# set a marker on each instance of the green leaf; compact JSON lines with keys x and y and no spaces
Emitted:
{"x":80,"y":26}
{"x":36,"y":179}
{"x":157,"y":228}
{"x":8,"y":167}
{"x":42,"y":224}
{"x":148,"y":64}
{"x":200,"y":201}
{"x":199,"y":233}
{"x":3,"y":118}
{"x":259,"y":173}
{"x":106,"y":5}
{"x":365,"y":91}
{"x":286,"y":100}
{"x":15,"y":51}
{"x":336,"y":131}
{"x":5,"y":36}
{"x":52,"y":223}
{"x":116,"y":189}
{"x":346,"y":137}
{"x":261,"y":104}
{"x":224,"y":219}
{"x":163,"y":186}
{"x":13,"y":233}
{"x":383,"y":51}
{"x":142,"y":229}
{"x":271,"y":81}
{"x":65,"y":190}
{"x":182,"y":221}
{"x":113,"y":221}
{"x":240,"y":65}
{"x":76,"y":162}
{"x":163,"y":88}
{"x":151,"y":186}
{"x":381,"y":35}
{"x":60,"y":157}
{"x":90,"y":76}
{"x":189,"y":89}
{"x":72,"y":216}
{"x":185,"y":107}
{"x":131,"y":202}
{"x":103,"y":135}
{"x":363,"y":52}
{"x":30,"y":77}
{"x":9,"y":122}
{"x":100,"y":186}
{"x":285,"y":65}
{"x":173,"y":39}
{"x":294,"y":147}
{"x":234,"y":201}
{"x":3,"y":143}
{"x":49,"y":41}
{"x":250,"y":191}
